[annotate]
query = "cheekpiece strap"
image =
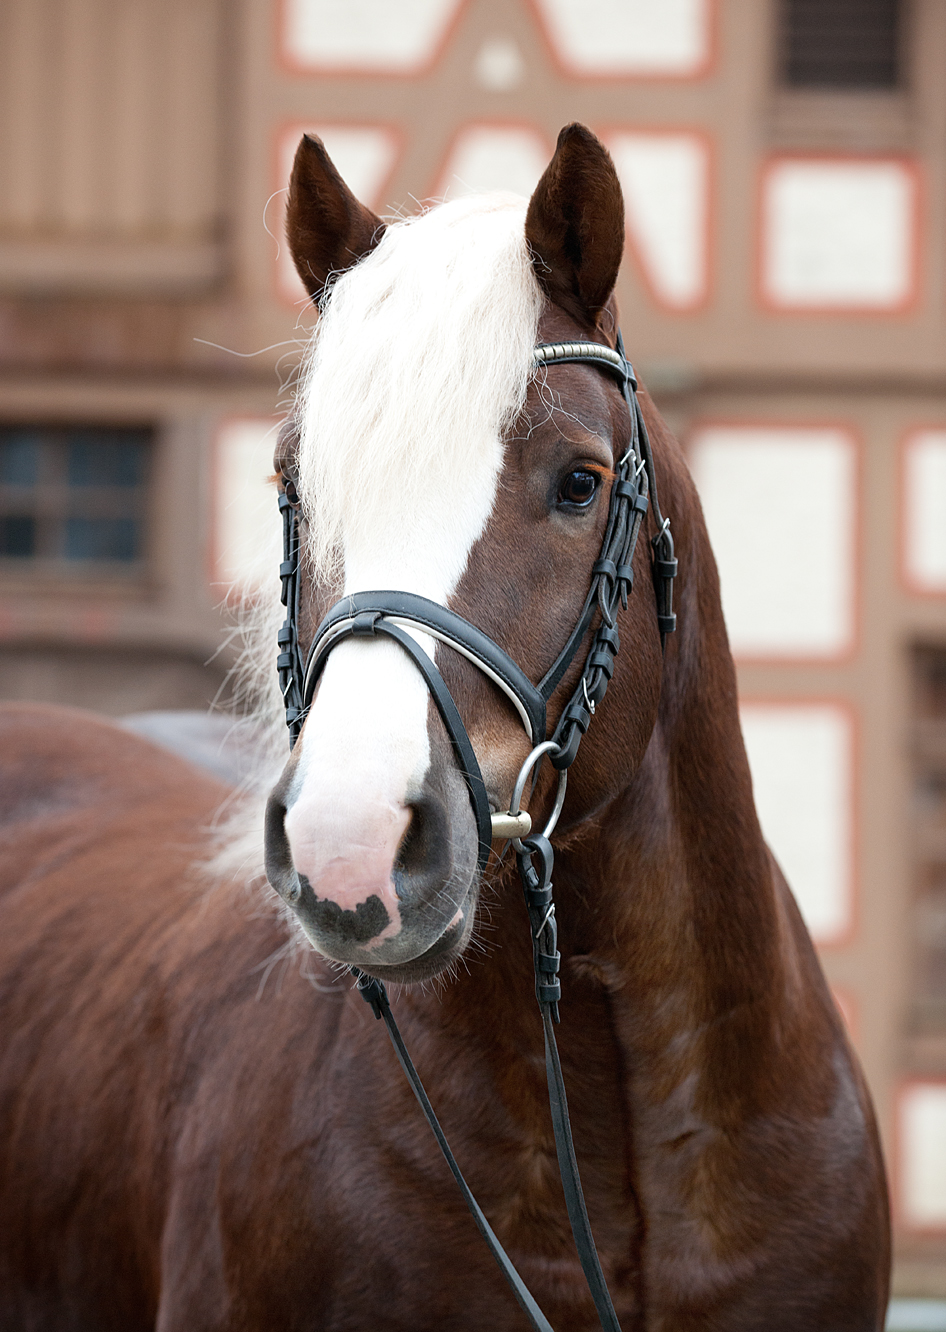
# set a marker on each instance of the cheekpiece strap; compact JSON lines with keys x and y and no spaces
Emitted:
{"x":633,"y":492}
{"x":289,"y":663}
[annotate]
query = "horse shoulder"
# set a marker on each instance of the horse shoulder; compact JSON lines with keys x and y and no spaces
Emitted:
{"x":154,"y":1016}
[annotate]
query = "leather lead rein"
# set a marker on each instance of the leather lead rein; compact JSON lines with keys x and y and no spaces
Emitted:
{"x":633,"y":491}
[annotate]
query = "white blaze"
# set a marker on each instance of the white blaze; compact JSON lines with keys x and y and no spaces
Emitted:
{"x":420,"y":360}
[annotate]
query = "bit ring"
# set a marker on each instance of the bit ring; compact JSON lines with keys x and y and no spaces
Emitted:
{"x":515,"y":804}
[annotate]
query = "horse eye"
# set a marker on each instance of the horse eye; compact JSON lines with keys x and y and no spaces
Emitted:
{"x":578,"y":489}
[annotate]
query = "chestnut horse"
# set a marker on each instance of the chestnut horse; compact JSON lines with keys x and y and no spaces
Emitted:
{"x":189,"y":1147}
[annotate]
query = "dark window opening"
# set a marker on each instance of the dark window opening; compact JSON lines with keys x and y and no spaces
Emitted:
{"x":840,"y":43}
{"x":73,"y":499}
{"x":17,"y":534}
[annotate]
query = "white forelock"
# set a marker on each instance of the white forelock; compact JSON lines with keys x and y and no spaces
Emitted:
{"x":421,"y":358}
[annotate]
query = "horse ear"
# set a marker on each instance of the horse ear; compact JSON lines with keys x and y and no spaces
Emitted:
{"x":575,"y":225}
{"x":328,"y":230}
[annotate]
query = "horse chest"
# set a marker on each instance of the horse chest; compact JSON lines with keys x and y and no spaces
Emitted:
{"x":376,"y":1198}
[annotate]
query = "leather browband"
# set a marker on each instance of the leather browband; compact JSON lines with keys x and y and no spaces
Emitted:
{"x":585,"y":353}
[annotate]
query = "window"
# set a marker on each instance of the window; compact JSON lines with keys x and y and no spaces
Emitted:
{"x":73,"y":499}
{"x":844,"y":44}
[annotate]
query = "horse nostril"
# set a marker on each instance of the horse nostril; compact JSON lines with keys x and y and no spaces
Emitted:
{"x":422,"y":865}
{"x":279,"y":867}
{"x":415,"y":844}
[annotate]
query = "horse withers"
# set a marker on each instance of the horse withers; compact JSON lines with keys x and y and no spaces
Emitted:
{"x":190,"y":1143}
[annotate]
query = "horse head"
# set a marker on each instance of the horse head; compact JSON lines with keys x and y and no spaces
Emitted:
{"x":430,"y":455}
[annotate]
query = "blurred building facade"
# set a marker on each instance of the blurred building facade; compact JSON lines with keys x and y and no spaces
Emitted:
{"x":784,"y":297}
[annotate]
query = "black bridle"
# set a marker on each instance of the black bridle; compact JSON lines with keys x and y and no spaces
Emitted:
{"x":390,"y":614}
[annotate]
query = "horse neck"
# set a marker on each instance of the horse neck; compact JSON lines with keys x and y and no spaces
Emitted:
{"x":675,"y":901}
{"x":666,"y":901}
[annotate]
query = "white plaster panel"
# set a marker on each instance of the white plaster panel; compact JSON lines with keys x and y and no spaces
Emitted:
{"x":780,"y":507}
{"x":838,"y":234}
{"x":665,"y":179}
{"x":801,"y":761}
{"x":923,"y":1155}
{"x":916,"y":1315}
{"x":629,"y":37}
{"x":925,"y":509}
{"x":499,"y":65}
{"x":364,"y":155}
{"x":246,"y":519}
{"x":372,"y":35}
{"x":495,"y":157}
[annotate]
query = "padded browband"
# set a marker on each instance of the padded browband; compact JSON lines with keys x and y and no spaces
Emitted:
{"x":583,"y":353}
{"x":408,"y":609}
